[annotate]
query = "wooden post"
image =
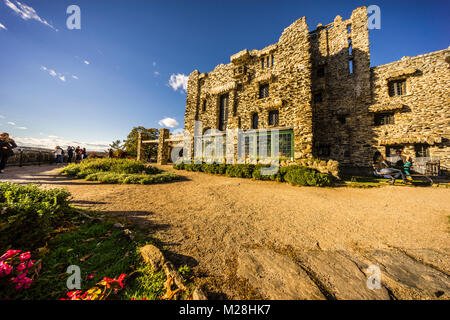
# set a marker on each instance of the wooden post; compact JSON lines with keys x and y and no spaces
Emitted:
{"x":139,"y":145}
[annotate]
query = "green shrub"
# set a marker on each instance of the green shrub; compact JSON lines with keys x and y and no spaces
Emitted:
{"x":240,"y":170}
{"x":28,"y":214}
{"x":90,"y":166}
{"x":118,"y":171}
{"x":117,"y":178}
{"x":295,"y":174}
{"x":304,"y":176}
{"x":257,"y":175}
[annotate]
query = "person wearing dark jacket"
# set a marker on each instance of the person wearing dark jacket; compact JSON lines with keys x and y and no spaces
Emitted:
{"x":6,"y":150}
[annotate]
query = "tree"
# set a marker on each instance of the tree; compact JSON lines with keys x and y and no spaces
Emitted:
{"x":147,"y":150}
{"x":115,"y":145}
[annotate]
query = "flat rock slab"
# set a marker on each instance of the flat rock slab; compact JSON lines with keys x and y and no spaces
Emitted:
{"x":408,"y":278}
{"x":276,"y":277}
{"x":341,"y":276}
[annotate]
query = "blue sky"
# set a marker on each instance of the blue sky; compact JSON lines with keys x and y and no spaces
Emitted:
{"x":91,"y":86}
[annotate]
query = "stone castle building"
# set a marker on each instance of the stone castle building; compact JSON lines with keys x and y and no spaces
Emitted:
{"x":318,"y":89}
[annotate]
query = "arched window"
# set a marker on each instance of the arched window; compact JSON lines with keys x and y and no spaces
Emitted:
{"x":255,"y":121}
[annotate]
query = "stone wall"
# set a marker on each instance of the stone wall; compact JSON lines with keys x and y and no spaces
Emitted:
{"x":324,"y":89}
{"x":422,"y":114}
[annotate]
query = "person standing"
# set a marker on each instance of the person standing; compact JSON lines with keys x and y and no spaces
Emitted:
{"x":69,"y":154}
{"x":6,"y":149}
{"x":77,"y":155}
{"x":83,"y":154}
{"x":58,"y":155}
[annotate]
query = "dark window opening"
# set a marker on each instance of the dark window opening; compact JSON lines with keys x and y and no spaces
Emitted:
{"x":204,"y":106}
{"x":263,"y":91}
{"x":262,"y":63}
{"x":223,"y":112}
{"x":422,"y":150}
{"x":397,"y":88}
{"x":320,"y":72}
{"x":273,"y":118}
{"x":323,"y":151}
{"x":383,"y":118}
{"x":318,"y":97}
{"x":255,"y":121}
{"x":347,"y":154}
{"x":342,"y":119}
{"x":273,"y":61}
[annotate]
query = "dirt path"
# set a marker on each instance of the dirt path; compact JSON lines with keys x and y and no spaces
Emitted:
{"x":273,"y":240}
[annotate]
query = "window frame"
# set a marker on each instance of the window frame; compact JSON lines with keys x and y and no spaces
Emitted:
{"x":261,"y":92}
{"x":397,"y":87}
{"x":274,"y":118}
{"x":383,"y":116}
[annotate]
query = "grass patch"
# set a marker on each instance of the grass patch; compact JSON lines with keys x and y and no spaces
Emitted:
{"x":118,"y":171}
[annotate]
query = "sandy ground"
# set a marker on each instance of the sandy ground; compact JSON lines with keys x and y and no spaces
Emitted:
{"x":209,"y":221}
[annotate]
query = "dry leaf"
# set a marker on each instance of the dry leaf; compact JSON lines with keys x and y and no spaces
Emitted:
{"x":86,"y":257}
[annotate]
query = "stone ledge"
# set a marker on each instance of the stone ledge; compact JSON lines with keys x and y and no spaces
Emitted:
{"x":383,"y":107}
{"x":411,"y":139}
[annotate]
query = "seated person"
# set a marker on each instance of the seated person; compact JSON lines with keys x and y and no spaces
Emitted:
{"x":382,"y":169}
{"x":407,"y":167}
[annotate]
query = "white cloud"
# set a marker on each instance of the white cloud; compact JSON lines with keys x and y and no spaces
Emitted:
{"x":74,"y":77}
{"x":168,"y":123}
{"x":22,"y":128}
{"x":3,"y":27}
{"x":86,"y":62}
{"x":52,"y":141}
{"x":178,"y":81}
{"x":53,"y":73}
{"x":11,"y":123}
{"x":2,"y":116}
{"x":27,"y":12}
{"x":156,"y":73}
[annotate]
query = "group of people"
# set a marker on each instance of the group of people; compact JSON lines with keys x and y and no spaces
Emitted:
{"x":382,"y":169}
{"x":73,"y":154}
{"x":6,"y":149}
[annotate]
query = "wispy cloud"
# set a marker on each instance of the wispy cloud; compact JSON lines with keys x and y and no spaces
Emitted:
{"x":22,"y":128}
{"x":74,"y":77}
{"x":2,"y":116}
{"x":154,"y":63}
{"x":168,"y":122}
{"x":3,"y":27}
{"x":86,"y":62}
{"x":26,"y":12}
{"x":11,"y":123}
{"x":156,"y":73}
{"x":178,"y":81}
{"x":53,"y":73}
{"x":52,"y":141}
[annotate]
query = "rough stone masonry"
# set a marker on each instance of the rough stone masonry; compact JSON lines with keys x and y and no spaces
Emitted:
{"x":318,"y":89}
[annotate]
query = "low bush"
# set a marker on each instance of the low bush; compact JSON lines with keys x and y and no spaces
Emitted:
{"x":296,"y":175}
{"x":118,"y":171}
{"x":28,"y":214}
{"x":121,"y":178}
{"x":121,"y":166}
{"x":304,"y":176}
